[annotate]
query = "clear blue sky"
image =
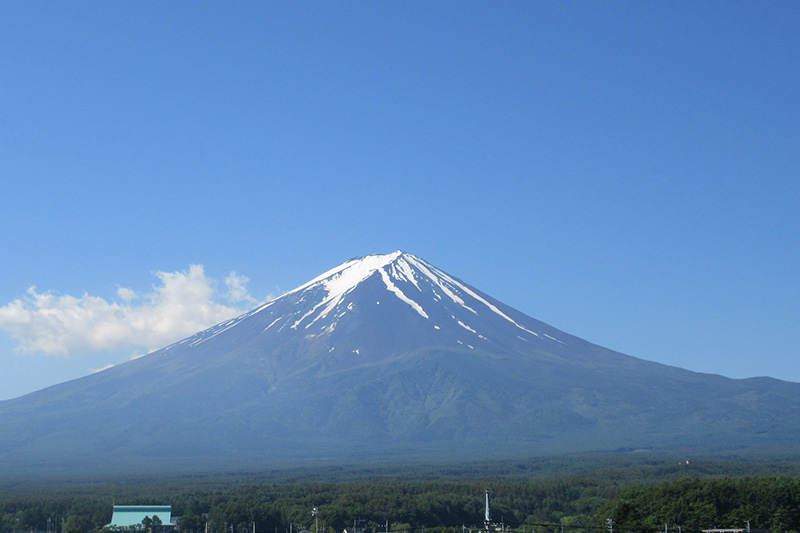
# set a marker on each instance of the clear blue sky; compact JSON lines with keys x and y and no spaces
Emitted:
{"x":628,"y":172}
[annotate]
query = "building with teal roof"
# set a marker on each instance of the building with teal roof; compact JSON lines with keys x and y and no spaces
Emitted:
{"x":129,"y":517}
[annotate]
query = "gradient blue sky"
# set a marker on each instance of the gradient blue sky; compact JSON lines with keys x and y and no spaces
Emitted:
{"x":625,"y":171}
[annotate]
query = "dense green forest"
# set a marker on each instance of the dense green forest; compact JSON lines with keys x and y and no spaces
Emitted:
{"x":771,"y":503}
{"x":569,"y":495}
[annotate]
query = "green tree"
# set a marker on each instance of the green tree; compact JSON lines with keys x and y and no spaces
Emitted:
{"x":77,"y":524}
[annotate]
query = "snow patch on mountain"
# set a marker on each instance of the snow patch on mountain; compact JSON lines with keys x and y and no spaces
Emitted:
{"x":552,"y":338}
{"x":392,"y":287}
{"x":439,"y":282}
{"x":339,"y":281}
{"x":466,"y":327}
{"x":402,"y":271}
{"x":346,"y":276}
{"x":442,"y":280}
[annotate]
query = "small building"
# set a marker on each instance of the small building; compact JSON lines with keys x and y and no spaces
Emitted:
{"x":129,"y":517}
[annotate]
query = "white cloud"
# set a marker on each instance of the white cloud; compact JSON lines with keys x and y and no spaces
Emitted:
{"x":181,"y":305}
{"x":237,"y":292}
{"x":126,"y":294}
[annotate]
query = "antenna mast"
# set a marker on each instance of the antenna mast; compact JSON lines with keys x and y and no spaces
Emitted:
{"x":487,"y":518}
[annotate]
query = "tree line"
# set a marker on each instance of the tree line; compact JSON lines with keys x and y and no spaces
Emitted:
{"x":636,"y":499}
{"x":762,"y":503}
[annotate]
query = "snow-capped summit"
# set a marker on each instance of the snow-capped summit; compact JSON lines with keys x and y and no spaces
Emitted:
{"x":398,"y":270}
{"x":386,"y":356}
{"x":372,"y":295}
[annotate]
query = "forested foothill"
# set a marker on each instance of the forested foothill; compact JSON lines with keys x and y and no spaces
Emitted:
{"x":552,"y":495}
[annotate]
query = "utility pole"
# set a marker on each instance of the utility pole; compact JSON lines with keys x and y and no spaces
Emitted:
{"x":315,"y":512}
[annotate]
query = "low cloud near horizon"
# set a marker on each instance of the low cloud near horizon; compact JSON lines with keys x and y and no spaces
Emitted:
{"x":182,"y":304}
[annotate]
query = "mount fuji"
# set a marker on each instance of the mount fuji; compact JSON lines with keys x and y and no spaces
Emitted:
{"x":385,"y":357}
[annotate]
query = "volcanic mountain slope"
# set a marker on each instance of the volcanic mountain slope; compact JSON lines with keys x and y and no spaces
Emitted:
{"x":385,"y":356}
